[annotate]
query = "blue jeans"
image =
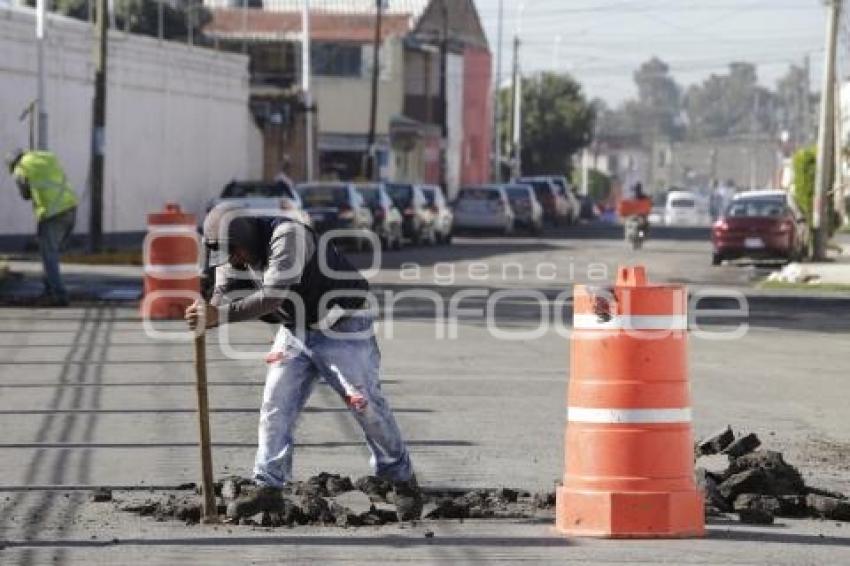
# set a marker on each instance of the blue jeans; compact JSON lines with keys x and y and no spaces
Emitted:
{"x":53,"y":234}
{"x":289,"y":384}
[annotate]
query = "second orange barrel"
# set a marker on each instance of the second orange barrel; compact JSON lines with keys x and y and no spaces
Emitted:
{"x":171,"y":263}
{"x":629,"y":441}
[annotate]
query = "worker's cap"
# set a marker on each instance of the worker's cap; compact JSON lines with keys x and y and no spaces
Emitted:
{"x":13,"y":157}
{"x":227,"y":225}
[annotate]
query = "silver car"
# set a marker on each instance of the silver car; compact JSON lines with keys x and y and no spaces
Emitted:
{"x":484,"y":208}
{"x":528,"y":213}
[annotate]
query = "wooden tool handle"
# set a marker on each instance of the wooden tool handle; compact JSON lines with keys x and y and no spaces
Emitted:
{"x":210,"y":513}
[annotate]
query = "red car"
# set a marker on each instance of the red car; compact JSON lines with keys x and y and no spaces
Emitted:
{"x":761,"y":225}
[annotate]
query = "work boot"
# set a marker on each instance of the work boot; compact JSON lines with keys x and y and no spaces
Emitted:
{"x":263,"y":498}
{"x":408,"y":499}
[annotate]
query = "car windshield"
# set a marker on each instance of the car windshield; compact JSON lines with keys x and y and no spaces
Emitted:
{"x":481,"y":193}
{"x":323,"y":195}
{"x":402,"y":195}
{"x":756,"y":208}
{"x":683,"y":203}
{"x":371,"y":195}
{"x":256,"y":190}
{"x":517,"y":193}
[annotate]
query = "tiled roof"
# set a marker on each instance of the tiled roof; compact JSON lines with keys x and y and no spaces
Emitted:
{"x":324,"y":26}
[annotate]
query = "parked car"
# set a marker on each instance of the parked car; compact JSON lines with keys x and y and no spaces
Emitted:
{"x":386,"y":219}
{"x":556,"y":207}
{"x":681,"y":209}
{"x":484,"y":208}
{"x":569,"y":193}
{"x":263,"y":195}
{"x":762,"y":225}
{"x":337,"y":206}
{"x":527,"y":210}
{"x":417,"y":218}
{"x":443,"y":215}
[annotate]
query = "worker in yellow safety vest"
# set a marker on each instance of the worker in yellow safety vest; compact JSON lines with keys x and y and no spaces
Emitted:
{"x":40,"y":179}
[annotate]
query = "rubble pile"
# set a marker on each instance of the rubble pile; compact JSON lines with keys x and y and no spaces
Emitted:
{"x":333,"y":500}
{"x":759,"y":485}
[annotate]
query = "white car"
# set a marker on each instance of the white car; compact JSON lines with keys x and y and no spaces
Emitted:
{"x":484,"y":208}
{"x":682,"y":209}
{"x":264,"y":195}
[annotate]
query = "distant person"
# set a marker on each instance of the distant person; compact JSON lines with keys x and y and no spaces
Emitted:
{"x":283,"y":175}
{"x":41,"y":179}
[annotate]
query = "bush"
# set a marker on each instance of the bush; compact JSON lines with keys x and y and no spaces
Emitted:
{"x":805,"y":162}
{"x":598,"y":184}
{"x":805,"y":165}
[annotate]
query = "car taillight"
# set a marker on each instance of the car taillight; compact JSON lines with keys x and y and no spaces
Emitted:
{"x":721,"y":226}
{"x":785,"y":227}
{"x":345,"y":212}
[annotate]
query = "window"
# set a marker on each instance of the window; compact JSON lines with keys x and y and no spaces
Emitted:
{"x":336,"y":59}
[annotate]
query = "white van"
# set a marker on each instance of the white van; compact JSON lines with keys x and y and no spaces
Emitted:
{"x":682,"y":209}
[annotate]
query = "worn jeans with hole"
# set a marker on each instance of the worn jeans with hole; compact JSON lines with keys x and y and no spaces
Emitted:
{"x":53,"y":235}
{"x":355,"y":352}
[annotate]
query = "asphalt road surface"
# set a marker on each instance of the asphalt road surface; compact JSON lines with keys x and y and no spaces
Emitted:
{"x":88,"y":398}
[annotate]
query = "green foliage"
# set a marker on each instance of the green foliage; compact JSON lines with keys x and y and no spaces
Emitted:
{"x":557,"y":121}
{"x":598,"y":184}
{"x":805,"y":161}
{"x":142,"y":16}
{"x":805,"y":170}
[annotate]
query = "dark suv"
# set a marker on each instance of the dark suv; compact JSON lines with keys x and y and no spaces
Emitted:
{"x":337,"y":206}
{"x":417,"y":217}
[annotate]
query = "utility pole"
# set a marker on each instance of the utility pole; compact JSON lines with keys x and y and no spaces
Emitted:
{"x":516,"y":115}
{"x":371,"y":159}
{"x":98,"y":127}
{"x":807,"y":103}
{"x":305,"y":87}
{"x":444,"y":103}
{"x":41,"y":102}
{"x":838,"y":176}
{"x":497,"y":102}
{"x":826,"y":138}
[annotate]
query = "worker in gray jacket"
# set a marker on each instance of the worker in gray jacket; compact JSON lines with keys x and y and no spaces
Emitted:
{"x":270,"y":269}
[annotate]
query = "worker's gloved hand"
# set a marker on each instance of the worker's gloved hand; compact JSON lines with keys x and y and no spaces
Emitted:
{"x":199,"y":311}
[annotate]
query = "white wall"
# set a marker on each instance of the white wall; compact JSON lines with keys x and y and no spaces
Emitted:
{"x":178,"y":124}
{"x":454,"y":103}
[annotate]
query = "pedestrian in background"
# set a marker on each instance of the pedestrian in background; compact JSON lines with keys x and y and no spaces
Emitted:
{"x":41,"y":179}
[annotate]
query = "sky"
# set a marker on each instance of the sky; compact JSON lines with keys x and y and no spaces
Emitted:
{"x":602,"y":42}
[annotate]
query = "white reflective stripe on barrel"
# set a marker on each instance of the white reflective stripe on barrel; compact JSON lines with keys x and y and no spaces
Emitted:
{"x":176,"y":229}
{"x":628,"y":416}
{"x":631,"y":322}
{"x":163,"y":269}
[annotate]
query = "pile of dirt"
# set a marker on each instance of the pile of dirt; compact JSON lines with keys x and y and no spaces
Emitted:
{"x":759,"y":485}
{"x":334,"y":500}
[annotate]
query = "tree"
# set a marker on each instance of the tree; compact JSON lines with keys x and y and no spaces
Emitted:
{"x":142,"y":16}
{"x":805,"y":163}
{"x":730,"y":105}
{"x":557,"y":121}
{"x":658,"y":105}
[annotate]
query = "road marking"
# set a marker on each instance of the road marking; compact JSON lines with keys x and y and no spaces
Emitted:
{"x":631,"y":322}
{"x":628,"y":416}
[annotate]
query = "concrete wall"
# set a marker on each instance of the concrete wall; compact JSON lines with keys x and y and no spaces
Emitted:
{"x":178,"y":125}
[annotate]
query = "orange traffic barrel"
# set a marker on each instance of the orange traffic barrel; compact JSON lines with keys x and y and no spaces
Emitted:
{"x":629,"y":470}
{"x":171,"y":257}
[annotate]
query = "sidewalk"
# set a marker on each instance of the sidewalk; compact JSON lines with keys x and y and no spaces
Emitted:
{"x":832,"y":273}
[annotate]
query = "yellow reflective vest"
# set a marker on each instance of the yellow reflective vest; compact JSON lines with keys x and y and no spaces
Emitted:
{"x":49,"y":188}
